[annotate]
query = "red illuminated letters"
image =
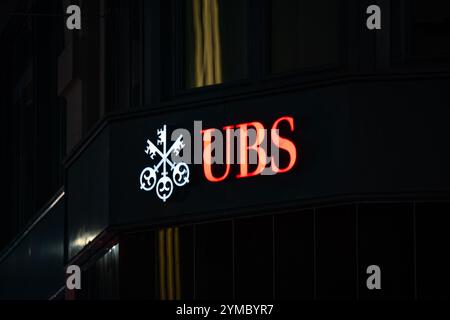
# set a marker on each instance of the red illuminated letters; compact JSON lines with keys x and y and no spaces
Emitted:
{"x":245,"y":148}
{"x":257,"y":147}
{"x":284,"y":144}
{"x":207,"y":154}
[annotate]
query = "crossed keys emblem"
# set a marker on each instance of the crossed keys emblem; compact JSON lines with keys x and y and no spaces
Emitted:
{"x":153,"y":176}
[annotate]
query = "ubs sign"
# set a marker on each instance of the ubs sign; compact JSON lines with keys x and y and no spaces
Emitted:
{"x":254,"y":148}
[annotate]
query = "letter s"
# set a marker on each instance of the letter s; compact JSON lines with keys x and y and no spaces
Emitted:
{"x":284,"y":144}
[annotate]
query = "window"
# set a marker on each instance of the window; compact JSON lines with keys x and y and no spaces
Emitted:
{"x":215,"y":42}
{"x":302,"y":34}
{"x":432,"y":221}
{"x":336,"y":253}
{"x":175,"y":259}
{"x":431,"y":29}
{"x":294,"y":255}
{"x":386,"y":239}
{"x":254,"y":258}
{"x":137,"y":266}
{"x":101,"y":280}
{"x":214,"y":261}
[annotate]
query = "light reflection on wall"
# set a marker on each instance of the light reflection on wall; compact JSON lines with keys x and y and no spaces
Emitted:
{"x":81,"y":241}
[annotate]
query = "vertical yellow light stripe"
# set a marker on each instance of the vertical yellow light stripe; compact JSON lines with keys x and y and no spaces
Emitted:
{"x":170,"y":273}
{"x":162,"y":265}
{"x":198,"y":38}
{"x":216,"y":39}
{"x":207,"y":43}
{"x":177,"y":264}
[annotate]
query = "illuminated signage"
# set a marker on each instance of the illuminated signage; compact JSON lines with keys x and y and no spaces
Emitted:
{"x":161,"y":178}
{"x":254,"y":148}
{"x":265,"y":164}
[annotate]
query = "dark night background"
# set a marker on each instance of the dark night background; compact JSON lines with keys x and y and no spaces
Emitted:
{"x":371,"y":185}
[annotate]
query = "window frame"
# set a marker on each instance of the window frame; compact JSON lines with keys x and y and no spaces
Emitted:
{"x":402,"y":33}
{"x":178,"y":50}
{"x":303,"y":73}
{"x":258,"y":78}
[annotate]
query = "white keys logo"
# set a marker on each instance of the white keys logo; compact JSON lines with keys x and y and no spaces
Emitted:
{"x":164,"y":180}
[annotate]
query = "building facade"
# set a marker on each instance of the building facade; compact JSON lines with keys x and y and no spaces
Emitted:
{"x":362,"y":180}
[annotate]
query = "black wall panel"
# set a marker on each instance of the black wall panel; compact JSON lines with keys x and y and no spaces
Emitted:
{"x":35,"y":268}
{"x":88,"y":194}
